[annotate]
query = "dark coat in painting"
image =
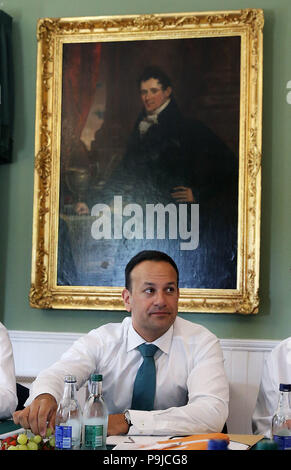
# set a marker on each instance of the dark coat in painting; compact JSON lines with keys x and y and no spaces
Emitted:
{"x":178,"y":151}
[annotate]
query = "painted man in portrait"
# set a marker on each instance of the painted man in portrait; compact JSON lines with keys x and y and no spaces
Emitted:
{"x":168,"y":156}
{"x":171,"y":159}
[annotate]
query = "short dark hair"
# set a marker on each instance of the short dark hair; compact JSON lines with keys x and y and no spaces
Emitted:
{"x":157,"y":73}
{"x":147,"y":255}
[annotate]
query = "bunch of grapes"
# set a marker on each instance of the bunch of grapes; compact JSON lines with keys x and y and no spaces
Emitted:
{"x":29,"y":441}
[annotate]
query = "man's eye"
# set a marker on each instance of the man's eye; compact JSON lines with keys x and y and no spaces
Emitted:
{"x":149,"y":290}
{"x":171,"y":289}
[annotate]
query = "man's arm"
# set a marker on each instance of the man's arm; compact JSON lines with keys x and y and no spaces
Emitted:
{"x":39,"y":415}
{"x":208,"y":396}
{"x":8,"y":397}
{"x":47,"y":389}
{"x":117,"y":425}
{"x":275,"y":370}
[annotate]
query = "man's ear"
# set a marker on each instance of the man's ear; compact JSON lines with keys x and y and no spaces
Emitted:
{"x":126,"y":299}
{"x":168,"y":91}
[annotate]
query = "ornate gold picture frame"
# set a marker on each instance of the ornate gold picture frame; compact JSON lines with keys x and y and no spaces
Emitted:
{"x":94,"y":75}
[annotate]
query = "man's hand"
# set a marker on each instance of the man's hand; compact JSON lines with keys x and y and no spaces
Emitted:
{"x":117,"y":425}
{"x":81,"y":208}
{"x":39,"y":415}
{"x":183,"y":194}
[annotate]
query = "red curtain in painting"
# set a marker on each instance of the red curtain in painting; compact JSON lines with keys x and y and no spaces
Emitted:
{"x":81,"y":63}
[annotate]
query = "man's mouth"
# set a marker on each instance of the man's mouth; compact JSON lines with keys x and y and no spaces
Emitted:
{"x":160,"y":313}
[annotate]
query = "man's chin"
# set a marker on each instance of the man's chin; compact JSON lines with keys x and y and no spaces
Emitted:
{"x":156,"y":326}
{"x":150,"y":109}
{"x":162,"y":319}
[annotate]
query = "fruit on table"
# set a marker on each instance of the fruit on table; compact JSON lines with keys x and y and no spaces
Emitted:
{"x":22,"y":439}
{"x":9,"y":441}
{"x":22,"y":447}
{"x":31,"y":445}
{"x":37,"y":439}
{"x":29,"y":441}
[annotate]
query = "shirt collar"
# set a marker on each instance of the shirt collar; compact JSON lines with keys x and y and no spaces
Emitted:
{"x":163,"y":342}
{"x":160,"y":109}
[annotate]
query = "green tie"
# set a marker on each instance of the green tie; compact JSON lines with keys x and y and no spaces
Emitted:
{"x":144,"y":388}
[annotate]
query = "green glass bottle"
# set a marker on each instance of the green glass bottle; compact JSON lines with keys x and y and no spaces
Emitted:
{"x":95,"y":417}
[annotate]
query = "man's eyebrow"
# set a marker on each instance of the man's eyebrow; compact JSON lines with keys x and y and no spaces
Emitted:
{"x":151,"y":88}
{"x":148,"y":283}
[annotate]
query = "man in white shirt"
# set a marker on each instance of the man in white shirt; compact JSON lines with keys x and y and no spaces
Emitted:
{"x":191,"y":386}
{"x":276,"y":370}
{"x":8,"y":396}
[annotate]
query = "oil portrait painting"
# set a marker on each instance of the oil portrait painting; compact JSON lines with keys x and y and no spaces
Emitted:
{"x":154,"y":143}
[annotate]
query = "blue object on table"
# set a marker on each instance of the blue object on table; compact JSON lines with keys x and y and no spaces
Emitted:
{"x":217,"y":444}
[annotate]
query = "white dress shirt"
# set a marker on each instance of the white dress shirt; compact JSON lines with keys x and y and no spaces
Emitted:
{"x":8,"y":397}
{"x":276,"y":370}
{"x":152,"y":118}
{"x":191,"y":385}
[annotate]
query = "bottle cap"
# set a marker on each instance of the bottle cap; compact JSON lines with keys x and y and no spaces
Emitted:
{"x":70,"y":378}
{"x":217,"y":444}
{"x":96,"y":378}
{"x":285,"y":388}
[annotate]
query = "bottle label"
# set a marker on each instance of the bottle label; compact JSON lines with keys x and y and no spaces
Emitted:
{"x":63,"y":437}
{"x":284,"y":442}
{"x":93,"y":435}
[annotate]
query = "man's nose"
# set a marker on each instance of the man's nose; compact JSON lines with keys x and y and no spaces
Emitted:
{"x":160,"y":300}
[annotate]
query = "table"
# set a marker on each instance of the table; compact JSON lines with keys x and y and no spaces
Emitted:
{"x":7,"y":426}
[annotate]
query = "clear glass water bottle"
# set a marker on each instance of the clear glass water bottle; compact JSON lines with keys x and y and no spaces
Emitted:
{"x":68,"y":418}
{"x":281,"y":423}
{"x":95,"y":417}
